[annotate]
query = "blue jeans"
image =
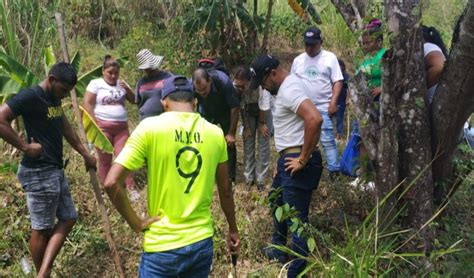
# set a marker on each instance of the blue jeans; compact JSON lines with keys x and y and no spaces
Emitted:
{"x":296,"y":191}
{"x":47,"y":196}
{"x":192,"y":260}
{"x":340,"y":118}
{"x":328,"y":141}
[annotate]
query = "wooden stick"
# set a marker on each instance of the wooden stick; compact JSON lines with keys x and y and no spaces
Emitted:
{"x":92,"y":172}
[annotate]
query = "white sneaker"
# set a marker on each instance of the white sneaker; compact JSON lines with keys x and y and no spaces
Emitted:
{"x":369,"y":186}
{"x":134,"y":195}
{"x":355,"y":183}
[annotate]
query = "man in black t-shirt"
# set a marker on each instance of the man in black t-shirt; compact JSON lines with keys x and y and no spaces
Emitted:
{"x":218,"y":103}
{"x":41,"y":170}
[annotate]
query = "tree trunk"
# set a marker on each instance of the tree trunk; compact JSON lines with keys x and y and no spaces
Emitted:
{"x":398,"y":140}
{"x":255,"y":31}
{"x":404,"y":80}
{"x":264,"y":48}
{"x":453,"y":103}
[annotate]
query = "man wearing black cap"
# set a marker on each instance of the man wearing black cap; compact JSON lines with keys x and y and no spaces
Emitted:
{"x":185,"y":155}
{"x":297,"y":125}
{"x":320,"y":72}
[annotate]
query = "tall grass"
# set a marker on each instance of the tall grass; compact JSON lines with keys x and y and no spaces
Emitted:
{"x":374,"y":248}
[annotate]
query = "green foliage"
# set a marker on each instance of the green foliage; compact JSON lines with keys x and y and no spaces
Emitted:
{"x":94,"y":134}
{"x":371,"y":249}
{"x":223,"y":27}
{"x":15,"y":76}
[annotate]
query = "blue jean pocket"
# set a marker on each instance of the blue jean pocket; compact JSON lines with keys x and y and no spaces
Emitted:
{"x":307,"y":178}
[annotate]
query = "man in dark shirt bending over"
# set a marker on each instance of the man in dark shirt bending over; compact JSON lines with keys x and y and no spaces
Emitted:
{"x":218,"y":103}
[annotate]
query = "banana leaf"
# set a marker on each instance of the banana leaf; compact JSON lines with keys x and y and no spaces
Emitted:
{"x":17,"y":72}
{"x":94,"y":134}
{"x":76,"y":61}
{"x":49,"y":60}
{"x":304,"y":7}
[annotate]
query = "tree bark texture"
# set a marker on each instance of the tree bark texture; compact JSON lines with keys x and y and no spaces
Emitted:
{"x":397,"y":137}
{"x":453,"y":102}
{"x":404,"y":80}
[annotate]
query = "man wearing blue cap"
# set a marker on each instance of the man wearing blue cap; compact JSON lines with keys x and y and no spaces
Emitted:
{"x":184,"y":155}
{"x":320,"y":72}
{"x":297,"y":125}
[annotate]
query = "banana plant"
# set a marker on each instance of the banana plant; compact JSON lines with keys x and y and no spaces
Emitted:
{"x":304,"y":7}
{"x":94,"y":134}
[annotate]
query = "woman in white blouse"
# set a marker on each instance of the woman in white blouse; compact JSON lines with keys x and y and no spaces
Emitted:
{"x":105,"y":102}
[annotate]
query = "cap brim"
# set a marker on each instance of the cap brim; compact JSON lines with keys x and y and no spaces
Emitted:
{"x":311,"y":41}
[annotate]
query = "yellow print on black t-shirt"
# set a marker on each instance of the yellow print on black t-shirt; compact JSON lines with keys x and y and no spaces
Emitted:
{"x":55,"y":112}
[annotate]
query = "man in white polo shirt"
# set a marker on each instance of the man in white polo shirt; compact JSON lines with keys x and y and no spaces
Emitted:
{"x":321,"y":74}
{"x":297,"y":124}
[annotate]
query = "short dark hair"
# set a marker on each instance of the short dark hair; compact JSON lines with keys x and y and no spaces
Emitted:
{"x":181,"y":96}
{"x":242,"y":73}
{"x":109,"y":61}
{"x":64,"y":72}
{"x":201,"y":73}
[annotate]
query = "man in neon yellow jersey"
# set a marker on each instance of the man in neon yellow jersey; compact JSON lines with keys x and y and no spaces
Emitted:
{"x":184,"y":154}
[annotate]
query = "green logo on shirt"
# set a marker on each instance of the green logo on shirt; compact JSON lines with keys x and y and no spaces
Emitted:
{"x":311,"y":72}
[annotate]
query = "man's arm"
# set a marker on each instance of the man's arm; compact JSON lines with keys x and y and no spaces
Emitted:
{"x":434,"y":64}
{"x":312,"y":131}
{"x":262,"y":124}
{"x":89,"y":103}
{"x":8,"y":134}
{"x":336,"y":92}
{"x":234,"y":118}
{"x":226,"y":199}
{"x":114,"y":186}
{"x":75,"y":142}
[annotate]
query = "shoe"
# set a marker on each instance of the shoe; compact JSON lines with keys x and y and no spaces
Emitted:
{"x":355,"y":183}
{"x":275,"y":255}
{"x":134,"y":195}
{"x":369,"y":186}
{"x":260,"y":186}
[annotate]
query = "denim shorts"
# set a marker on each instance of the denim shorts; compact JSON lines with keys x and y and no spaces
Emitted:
{"x":47,"y":196}
{"x":192,"y":260}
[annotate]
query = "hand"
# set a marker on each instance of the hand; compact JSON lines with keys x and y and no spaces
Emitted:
{"x":90,"y":161}
{"x":376,"y":91}
{"x":293,"y":165}
{"x":33,"y":149}
{"x":275,"y":171}
{"x":247,"y":133}
{"x":264,"y":131}
{"x":146,"y":223}
{"x":230,"y":140}
{"x":124,"y":84}
{"x":233,"y":243}
{"x":332,"y":109}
